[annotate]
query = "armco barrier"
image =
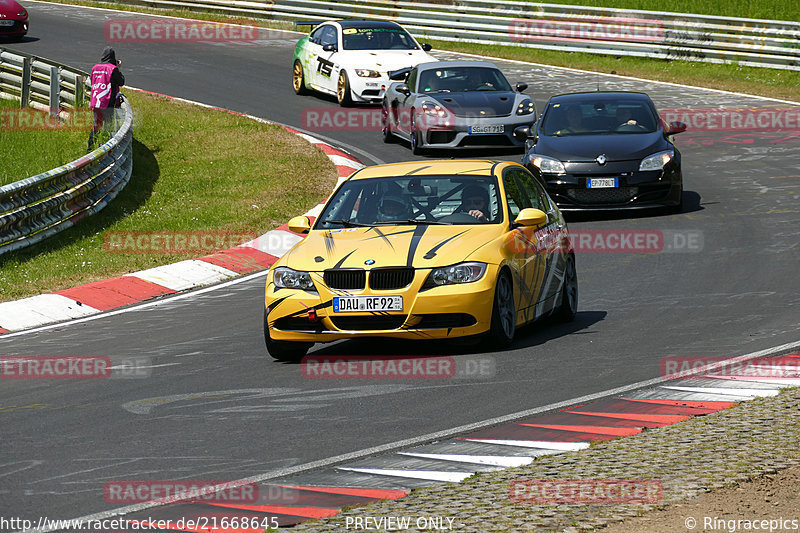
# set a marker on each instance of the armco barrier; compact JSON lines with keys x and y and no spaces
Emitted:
{"x":35,"y":208}
{"x":654,"y":34}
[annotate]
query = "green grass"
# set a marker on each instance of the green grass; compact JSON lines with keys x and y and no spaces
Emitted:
{"x":195,"y":169}
{"x":57,"y":146}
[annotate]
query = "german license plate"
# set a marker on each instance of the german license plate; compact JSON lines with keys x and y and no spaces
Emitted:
{"x":6,"y":22}
{"x":360,"y":304}
{"x":489,"y":128}
{"x":602,"y":183}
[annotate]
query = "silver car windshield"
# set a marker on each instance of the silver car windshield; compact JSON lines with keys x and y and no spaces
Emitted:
{"x":462,"y":79}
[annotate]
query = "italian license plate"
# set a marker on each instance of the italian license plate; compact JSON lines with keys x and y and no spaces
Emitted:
{"x":6,"y":22}
{"x":602,"y":183}
{"x":489,"y":128}
{"x":360,"y":304}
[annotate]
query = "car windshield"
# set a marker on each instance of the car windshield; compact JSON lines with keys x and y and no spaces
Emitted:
{"x":410,"y":200}
{"x":462,"y":79}
{"x":377,"y":39}
{"x":604,"y":117}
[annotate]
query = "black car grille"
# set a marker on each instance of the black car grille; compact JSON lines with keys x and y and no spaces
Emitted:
{"x":441,"y":137}
{"x":11,"y":29}
{"x":486,"y":140}
{"x":389,"y":279}
{"x":602,"y":196}
{"x":445,"y":320}
{"x":348,"y":280}
{"x":368,"y":323}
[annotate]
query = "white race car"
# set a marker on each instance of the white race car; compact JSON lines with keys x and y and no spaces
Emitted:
{"x":351,"y":59}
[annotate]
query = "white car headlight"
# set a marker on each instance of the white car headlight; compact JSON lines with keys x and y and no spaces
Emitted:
{"x":434,"y":110}
{"x":366,"y":73}
{"x":657,"y":161}
{"x":460,"y":273}
{"x":525,"y":107}
{"x":286,"y":278}
{"x":548,"y":165}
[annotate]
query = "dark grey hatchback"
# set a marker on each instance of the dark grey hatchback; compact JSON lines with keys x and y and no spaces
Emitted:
{"x":605,"y":150}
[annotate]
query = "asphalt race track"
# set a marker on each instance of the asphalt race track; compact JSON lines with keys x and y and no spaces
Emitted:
{"x":214,"y":406}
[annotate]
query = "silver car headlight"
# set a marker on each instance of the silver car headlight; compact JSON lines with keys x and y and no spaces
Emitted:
{"x":657,"y":161}
{"x":525,"y":107}
{"x":366,"y":73}
{"x":434,"y":110}
{"x":460,"y":273}
{"x":548,"y":165}
{"x":286,"y":278}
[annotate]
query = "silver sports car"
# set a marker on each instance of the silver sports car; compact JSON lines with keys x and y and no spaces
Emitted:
{"x":455,"y":104}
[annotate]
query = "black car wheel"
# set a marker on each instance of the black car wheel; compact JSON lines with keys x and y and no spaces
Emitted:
{"x":284,"y":350}
{"x":504,"y":317}
{"x":298,"y":79}
{"x":416,"y":137}
{"x":568,"y":307}
{"x":386,"y":128}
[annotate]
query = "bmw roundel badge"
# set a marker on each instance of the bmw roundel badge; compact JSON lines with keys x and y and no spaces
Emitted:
{"x":369,"y":262}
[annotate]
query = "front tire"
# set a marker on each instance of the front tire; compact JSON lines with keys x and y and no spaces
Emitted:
{"x":568,"y":307}
{"x":386,"y":128}
{"x":504,"y":316}
{"x":343,"y":94}
{"x":299,"y":79}
{"x":416,"y":137}
{"x":284,"y":350}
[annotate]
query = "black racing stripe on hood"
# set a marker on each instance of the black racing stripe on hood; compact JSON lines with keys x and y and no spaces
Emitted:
{"x":382,"y":235}
{"x":329,"y":242}
{"x":432,"y":252}
{"x":418,"y":169}
{"x":419,"y":231}
{"x":342,"y":260}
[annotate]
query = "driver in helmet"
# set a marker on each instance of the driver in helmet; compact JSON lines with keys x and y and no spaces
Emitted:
{"x":393,"y":207}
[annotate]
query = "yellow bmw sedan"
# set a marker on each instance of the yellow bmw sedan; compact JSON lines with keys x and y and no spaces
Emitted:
{"x":423,"y":250}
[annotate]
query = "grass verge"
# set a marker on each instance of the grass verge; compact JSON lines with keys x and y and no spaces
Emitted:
{"x":22,"y":128}
{"x":772,"y":83}
{"x":195,"y":169}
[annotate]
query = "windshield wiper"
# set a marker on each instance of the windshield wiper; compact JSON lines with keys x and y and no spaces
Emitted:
{"x":346,"y":223}
{"x":428,"y":222}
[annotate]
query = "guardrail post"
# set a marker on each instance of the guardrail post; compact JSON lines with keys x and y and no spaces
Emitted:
{"x":55,"y":90}
{"x":25,"y":90}
{"x":80,"y":92}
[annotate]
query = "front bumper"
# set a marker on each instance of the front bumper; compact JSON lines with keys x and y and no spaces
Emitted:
{"x":19,"y":28}
{"x":636,"y":189}
{"x":444,"y":312}
{"x":457,"y":135}
{"x":368,"y":89}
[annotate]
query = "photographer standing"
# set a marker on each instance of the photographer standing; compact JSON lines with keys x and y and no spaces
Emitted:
{"x":106,"y":80}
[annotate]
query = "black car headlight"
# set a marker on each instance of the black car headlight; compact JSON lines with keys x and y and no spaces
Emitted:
{"x":548,"y":165}
{"x":657,"y":161}
{"x":525,"y":107}
{"x":23,"y":13}
{"x":451,"y":275}
{"x":286,"y":278}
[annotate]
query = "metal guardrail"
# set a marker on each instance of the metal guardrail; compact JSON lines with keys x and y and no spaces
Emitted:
{"x":35,"y":208}
{"x":653,"y":34}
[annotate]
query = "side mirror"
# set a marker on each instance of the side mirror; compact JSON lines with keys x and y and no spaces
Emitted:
{"x":402,"y":88}
{"x":331,"y":47}
{"x":531,"y":217}
{"x":676,"y":127}
{"x":521,"y":86}
{"x":427,"y":47}
{"x":300,"y":225}
{"x":523,"y":133}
